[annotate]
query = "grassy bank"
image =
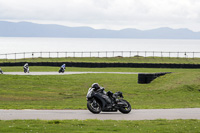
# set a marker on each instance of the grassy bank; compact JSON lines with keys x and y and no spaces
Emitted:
{"x":176,"y":90}
{"x":111,"y":60}
{"x":107,"y":126}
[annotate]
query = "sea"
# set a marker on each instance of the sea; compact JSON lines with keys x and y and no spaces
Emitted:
{"x":37,"y":44}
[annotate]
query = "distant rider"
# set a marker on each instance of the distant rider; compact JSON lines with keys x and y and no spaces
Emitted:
{"x":1,"y":71}
{"x":102,"y":92}
{"x":63,"y":67}
{"x":26,"y":67}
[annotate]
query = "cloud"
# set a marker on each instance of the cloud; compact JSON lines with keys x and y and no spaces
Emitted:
{"x":113,"y":14}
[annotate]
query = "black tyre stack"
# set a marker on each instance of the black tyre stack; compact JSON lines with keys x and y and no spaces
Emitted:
{"x":145,"y":78}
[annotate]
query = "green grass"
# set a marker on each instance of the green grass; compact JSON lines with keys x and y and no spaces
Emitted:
{"x":106,"y":126}
{"x":111,"y":60}
{"x":176,"y":90}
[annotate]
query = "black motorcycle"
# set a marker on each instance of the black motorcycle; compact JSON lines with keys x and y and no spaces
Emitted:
{"x":1,"y":71}
{"x":26,"y":69}
{"x":62,"y":70}
{"x":96,"y":103}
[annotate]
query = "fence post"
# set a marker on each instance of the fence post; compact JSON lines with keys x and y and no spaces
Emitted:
{"x":65,"y":54}
{"x":169,"y":54}
{"x":15,"y":56}
{"x":73,"y":54}
{"x":106,"y":54}
{"x":178,"y":55}
{"x":153,"y":54}
{"x":130,"y":53}
{"x":41,"y":54}
{"x":193,"y":55}
{"x":145,"y":54}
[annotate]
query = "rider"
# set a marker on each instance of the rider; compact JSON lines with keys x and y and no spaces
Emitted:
{"x":26,"y":67}
{"x":1,"y":71}
{"x":102,"y":92}
{"x":63,"y":66}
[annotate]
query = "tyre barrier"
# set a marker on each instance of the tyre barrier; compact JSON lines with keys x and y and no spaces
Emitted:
{"x":145,"y":78}
{"x":103,"y":65}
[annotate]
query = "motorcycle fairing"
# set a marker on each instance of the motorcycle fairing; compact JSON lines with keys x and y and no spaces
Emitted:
{"x":100,"y":99}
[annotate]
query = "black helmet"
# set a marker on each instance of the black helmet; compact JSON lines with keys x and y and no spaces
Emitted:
{"x":96,"y":86}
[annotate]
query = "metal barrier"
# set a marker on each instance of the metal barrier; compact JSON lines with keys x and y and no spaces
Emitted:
{"x":153,"y":54}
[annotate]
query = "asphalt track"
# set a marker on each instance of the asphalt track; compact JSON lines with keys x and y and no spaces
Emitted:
{"x":139,"y":114}
{"x":66,"y":73}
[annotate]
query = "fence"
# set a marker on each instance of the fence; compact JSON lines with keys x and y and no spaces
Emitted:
{"x":33,"y":55}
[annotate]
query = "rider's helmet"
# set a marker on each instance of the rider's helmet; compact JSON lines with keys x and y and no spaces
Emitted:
{"x":95,"y":86}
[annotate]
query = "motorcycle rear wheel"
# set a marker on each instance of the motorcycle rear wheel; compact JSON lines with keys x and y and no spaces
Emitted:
{"x":125,"y":110}
{"x":94,"y":109}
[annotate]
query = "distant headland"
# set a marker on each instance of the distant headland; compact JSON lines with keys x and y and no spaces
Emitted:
{"x":28,"y":29}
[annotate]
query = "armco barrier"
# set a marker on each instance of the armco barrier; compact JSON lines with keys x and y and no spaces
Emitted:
{"x":145,"y":78}
{"x":101,"y":65}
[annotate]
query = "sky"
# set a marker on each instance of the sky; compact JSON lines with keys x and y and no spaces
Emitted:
{"x":105,"y":14}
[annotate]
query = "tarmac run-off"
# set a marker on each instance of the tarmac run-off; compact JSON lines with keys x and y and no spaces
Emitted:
{"x":135,"y":114}
{"x":66,"y":73}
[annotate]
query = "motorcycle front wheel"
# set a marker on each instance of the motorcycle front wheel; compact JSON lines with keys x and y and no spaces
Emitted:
{"x":125,"y":109}
{"x":94,"y":107}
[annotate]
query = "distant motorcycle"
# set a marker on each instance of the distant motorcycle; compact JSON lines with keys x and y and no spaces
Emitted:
{"x":96,"y":103}
{"x":26,"y":69}
{"x":1,"y":71}
{"x":62,"y":70}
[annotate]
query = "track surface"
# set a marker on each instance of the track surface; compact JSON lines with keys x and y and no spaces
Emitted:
{"x":140,"y":114}
{"x":66,"y":73}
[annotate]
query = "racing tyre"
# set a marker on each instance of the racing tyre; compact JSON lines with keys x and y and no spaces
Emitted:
{"x":94,"y":107}
{"x":125,"y":109}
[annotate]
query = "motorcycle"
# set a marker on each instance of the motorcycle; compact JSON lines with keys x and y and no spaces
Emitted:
{"x":1,"y":71}
{"x":26,"y":69}
{"x":62,"y":70}
{"x":96,"y":103}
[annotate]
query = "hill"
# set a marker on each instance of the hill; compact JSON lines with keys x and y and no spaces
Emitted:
{"x":28,"y":29}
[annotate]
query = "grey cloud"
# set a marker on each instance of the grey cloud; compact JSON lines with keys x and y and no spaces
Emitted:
{"x":106,"y":13}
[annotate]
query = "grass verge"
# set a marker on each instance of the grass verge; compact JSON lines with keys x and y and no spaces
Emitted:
{"x":112,"y":60}
{"x":106,"y":126}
